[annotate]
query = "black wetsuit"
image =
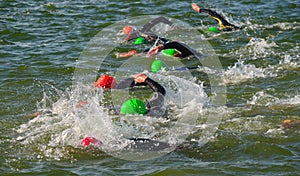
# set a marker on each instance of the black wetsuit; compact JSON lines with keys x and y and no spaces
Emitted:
{"x":224,"y":24}
{"x":155,"y":105}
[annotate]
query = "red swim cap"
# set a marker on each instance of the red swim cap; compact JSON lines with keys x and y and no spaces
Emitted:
{"x":127,"y":29}
{"x":86,"y":141}
{"x":106,"y":81}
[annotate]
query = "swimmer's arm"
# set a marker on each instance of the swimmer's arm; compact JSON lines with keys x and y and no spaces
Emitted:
{"x":128,"y":82}
{"x":224,"y":24}
{"x":142,"y":78}
{"x":155,"y":86}
{"x":211,"y":13}
{"x":33,"y":115}
{"x":148,"y":26}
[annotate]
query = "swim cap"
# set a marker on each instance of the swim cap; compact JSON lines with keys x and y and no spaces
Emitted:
{"x":106,"y":81}
{"x":139,"y":40}
{"x":133,"y":106}
{"x":157,"y":65}
{"x":169,"y":52}
{"x":213,"y":29}
{"x":127,"y":29}
{"x":87,"y":140}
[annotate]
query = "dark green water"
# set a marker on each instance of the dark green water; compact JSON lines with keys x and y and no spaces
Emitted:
{"x":40,"y":43}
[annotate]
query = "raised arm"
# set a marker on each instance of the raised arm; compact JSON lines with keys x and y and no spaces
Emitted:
{"x":224,"y":24}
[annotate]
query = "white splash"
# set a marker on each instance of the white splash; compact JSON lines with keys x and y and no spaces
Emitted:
{"x":241,"y":72}
{"x":257,"y":48}
{"x":264,"y":99}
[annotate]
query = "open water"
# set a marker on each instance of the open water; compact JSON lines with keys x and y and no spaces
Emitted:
{"x":41,"y":43}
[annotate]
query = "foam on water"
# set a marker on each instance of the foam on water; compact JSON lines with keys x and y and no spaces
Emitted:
{"x":290,"y":59}
{"x":257,"y":48}
{"x":282,"y":26}
{"x":241,"y":72}
{"x":264,"y":99}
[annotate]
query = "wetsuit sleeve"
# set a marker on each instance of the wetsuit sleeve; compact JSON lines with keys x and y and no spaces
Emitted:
{"x":182,"y":48}
{"x":146,"y":31}
{"x":128,"y":82}
{"x":155,"y":106}
{"x":224,"y":24}
{"x":148,"y":26}
{"x":155,"y":86}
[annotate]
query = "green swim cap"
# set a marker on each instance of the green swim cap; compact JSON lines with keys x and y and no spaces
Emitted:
{"x":169,"y":52}
{"x":133,"y":106}
{"x":213,"y":29}
{"x":157,"y":65}
{"x":139,"y":40}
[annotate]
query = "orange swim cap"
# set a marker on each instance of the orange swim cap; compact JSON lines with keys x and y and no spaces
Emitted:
{"x":106,"y":81}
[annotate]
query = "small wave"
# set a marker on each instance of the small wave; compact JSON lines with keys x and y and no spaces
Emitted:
{"x":291,"y":59}
{"x":281,"y":26}
{"x":256,"y":48}
{"x":284,"y":26}
{"x":264,"y":99}
{"x":241,"y":72}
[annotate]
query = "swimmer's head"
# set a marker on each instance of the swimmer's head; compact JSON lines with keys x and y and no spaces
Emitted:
{"x":158,"y":65}
{"x":133,"y":106}
{"x":169,"y":52}
{"x":139,"y":41}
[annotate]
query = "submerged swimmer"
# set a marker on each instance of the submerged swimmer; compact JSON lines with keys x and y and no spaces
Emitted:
{"x":153,"y":107}
{"x":138,"y":144}
{"x":224,"y":25}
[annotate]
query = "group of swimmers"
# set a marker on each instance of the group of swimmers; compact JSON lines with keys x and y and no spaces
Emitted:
{"x":144,"y":35}
{"x":155,"y":105}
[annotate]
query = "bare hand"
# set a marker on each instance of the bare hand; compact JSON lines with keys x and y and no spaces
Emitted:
{"x":140,"y":78}
{"x":155,"y":50}
{"x":126,"y":54}
{"x":196,"y":7}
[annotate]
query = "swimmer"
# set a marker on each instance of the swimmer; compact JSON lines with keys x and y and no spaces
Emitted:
{"x":224,"y":25}
{"x":137,"y":144}
{"x":153,"y":107}
{"x":143,"y":36}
